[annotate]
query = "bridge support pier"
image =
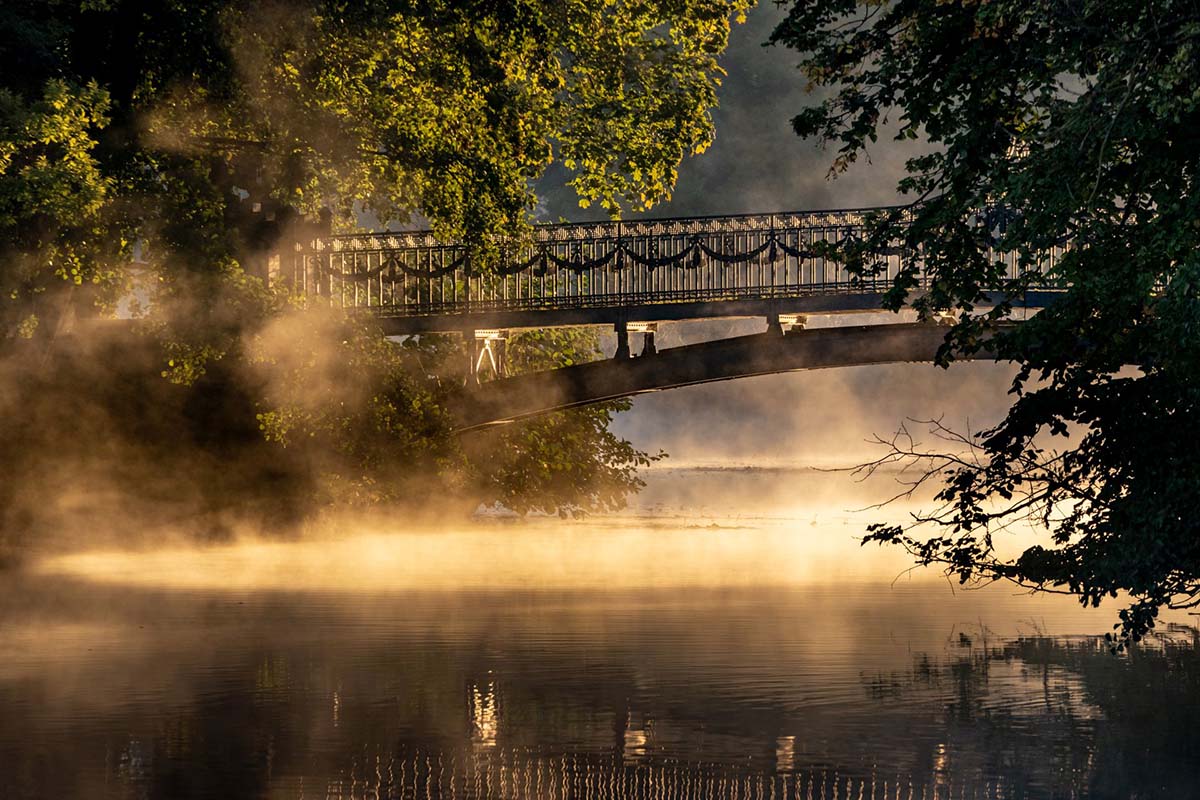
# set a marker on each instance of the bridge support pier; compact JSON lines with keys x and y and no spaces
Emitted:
{"x":622,"y":329}
{"x":773,"y":325}
{"x":647,"y":329}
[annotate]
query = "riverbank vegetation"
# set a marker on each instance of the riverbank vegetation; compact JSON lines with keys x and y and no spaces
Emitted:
{"x":202,"y":140}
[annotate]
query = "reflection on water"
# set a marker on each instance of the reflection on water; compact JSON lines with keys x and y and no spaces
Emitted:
{"x":764,"y":658}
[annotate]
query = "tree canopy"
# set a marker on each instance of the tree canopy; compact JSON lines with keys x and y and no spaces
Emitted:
{"x":195,"y":137}
{"x":1052,"y":122}
{"x":165,"y":122}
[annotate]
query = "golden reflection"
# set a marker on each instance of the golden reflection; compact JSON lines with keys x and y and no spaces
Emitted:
{"x":541,"y":554}
{"x":636,"y":737}
{"x":485,"y":716}
{"x":520,"y":774}
{"x":941,"y":765}
{"x":785,"y":753}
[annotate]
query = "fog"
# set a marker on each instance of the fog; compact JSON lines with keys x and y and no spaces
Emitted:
{"x":757,"y":165}
{"x":303,"y":362}
{"x":725,"y":630}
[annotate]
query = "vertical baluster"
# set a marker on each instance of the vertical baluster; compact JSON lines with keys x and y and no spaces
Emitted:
{"x":654,"y":283}
{"x":640,"y":269}
{"x":785,"y":236}
{"x":428,"y":253}
{"x":728,"y":247}
{"x":312,"y":268}
{"x":432,"y":281}
{"x":671,"y":248}
{"x":391,"y":279}
{"x":701,"y":272}
{"x":695,"y":282}
{"x":759,"y":264}
{"x":617,"y":281}
{"x":306,"y":263}
{"x":352,"y":291}
{"x":611,"y":270}
{"x":819,"y":280}
{"x":754,"y":263}
{"x":412,"y":280}
{"x":379,"y":279}
{"x":327,"y":288}
{"x":813,"y":267}
{"x":676,"y":282}
{"x":331,"y":279}
{"x":423,"y":259}
{"x":716,"y":278}
{"x":739,"y":246}
{"x":615,"y":277}
{"x":808,"y":241}
{"x":325,"y":278}
{"x":695,"y":276}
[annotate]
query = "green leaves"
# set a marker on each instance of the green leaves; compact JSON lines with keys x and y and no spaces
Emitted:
{"x":175,"y":122}
{"x":568,"y":462}
{"x":217,"y":134}
{"x":57,"y":224}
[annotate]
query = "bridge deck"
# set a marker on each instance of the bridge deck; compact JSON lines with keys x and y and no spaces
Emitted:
{"x":602,"y":272}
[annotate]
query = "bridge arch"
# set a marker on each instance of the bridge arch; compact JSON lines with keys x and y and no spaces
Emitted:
{"x":530,"y":395}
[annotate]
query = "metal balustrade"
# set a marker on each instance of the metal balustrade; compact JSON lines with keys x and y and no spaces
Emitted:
{"x":598,"y":265}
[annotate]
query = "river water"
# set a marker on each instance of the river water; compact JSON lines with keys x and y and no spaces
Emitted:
{"x":688,"y":648}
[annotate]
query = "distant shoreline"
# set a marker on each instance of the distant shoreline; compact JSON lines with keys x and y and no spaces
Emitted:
{"x":830,"y":467}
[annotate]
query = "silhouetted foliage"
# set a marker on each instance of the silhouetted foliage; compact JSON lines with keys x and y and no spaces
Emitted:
{"x":1047,"y":122}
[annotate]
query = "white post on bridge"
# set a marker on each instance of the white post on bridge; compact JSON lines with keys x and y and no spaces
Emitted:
{"x":489,"y":346}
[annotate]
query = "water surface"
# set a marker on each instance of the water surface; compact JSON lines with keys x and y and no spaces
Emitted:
{"x":689,"y":649}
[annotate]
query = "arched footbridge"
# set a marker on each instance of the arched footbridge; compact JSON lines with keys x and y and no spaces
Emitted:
{"x":512,"y":398}
{"x":630,"y":276}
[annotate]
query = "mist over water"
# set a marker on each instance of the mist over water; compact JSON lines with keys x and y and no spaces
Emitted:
{"x":724,"y":636}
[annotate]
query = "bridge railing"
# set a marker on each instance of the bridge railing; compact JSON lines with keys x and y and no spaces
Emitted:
{"x":595,"y":265}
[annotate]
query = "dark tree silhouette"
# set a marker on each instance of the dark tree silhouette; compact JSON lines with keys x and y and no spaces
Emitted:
{"x":1048,"y":122}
